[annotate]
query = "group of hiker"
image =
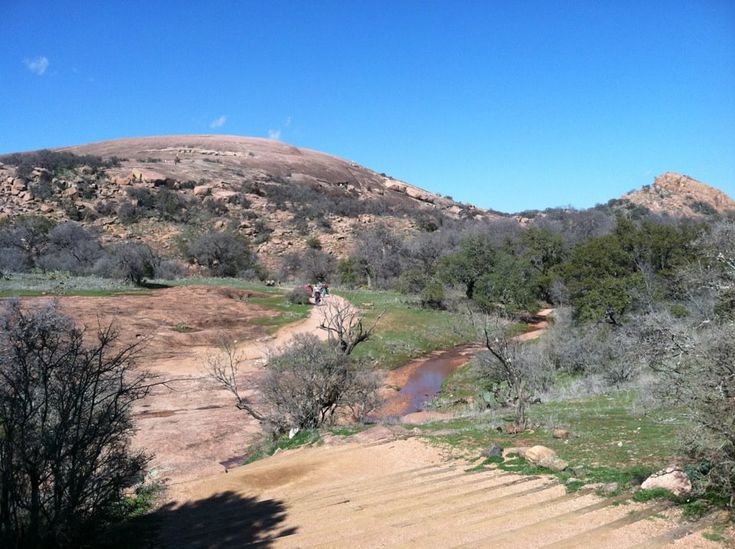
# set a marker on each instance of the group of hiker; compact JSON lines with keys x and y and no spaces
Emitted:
{"x":318,"y":291}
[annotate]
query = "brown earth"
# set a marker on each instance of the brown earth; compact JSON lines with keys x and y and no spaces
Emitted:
{"x":190,"y":426}
{"x":381,"y":489}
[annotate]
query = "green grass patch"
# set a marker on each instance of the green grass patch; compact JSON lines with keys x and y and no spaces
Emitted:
{"x":62,"y":284}
{"x":519,"y":465}
{"x":287,"y":312}
{"x":405,"y":330}
{"x":346,"y":430}
{"x":611,"y":442}
{"x":302,"y":438}
{"x":695,"y":510}
{"x":716,"y":534}
{"x":642,"y":496}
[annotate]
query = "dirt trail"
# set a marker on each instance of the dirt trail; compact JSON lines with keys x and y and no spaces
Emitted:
{"x":379,"y":491}
{"x":192,"y":427}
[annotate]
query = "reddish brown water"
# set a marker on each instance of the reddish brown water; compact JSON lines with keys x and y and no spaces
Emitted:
{"x":424,"y":378}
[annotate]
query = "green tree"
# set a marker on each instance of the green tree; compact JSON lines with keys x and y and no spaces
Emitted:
{"x":543,"y":250}
{"x":599,"y":276}
{"x":509,"y":283}
{"x":474,"y":259}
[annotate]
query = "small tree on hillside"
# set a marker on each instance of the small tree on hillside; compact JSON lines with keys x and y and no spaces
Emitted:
{"x":133,"y":261}
{"x":223,"y":253}
{"x":65,"y":419}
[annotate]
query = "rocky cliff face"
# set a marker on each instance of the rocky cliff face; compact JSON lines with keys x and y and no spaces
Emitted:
{"x":680,"y":195}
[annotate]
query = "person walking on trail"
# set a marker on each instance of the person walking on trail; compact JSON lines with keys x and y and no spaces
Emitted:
{"x":317,"y":297}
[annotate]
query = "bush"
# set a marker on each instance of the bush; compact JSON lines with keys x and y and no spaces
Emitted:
{"x":314,"y":243}
{"x":55,"y":162}
{"x":308,"y":383}
{"x":299,"y":296}
{"x":169,"y":270}
{"x":133,"y":261}
{"x":317,"y":265}
{"x":223,"y":253}
{"x":65,"y":408}
{"x":71,"y":248}
{"x":432,"y":296}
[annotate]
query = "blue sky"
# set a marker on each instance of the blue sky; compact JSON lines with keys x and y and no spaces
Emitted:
{"x":508,"y":105}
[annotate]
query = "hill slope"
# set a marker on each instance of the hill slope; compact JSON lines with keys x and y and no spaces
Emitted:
{"x":682,"y":196}
{"x":274,"y":193}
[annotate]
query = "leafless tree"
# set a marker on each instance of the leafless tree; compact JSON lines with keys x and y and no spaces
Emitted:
{"x":695,"y":364}
{"x":345,"y":325}
{"x":65,"y":415}
{"x":306,"y":384}
{"x":516,"y":370}
{"x":223,"y":365}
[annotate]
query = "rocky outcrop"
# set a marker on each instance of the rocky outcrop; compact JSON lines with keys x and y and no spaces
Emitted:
{"x":680,"y":195}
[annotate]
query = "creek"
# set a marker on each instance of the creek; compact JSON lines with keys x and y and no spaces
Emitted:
{"x":421,"y":379}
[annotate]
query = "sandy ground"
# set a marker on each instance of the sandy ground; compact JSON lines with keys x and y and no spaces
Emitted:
{"x":380,"y":489}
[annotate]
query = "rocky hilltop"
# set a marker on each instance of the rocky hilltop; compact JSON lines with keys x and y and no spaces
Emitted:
{"x":681,"y":196}
{"x":282,"y":197}
{"x":285,"y":199}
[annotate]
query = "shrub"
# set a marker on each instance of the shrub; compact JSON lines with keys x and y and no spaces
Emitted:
{"x":432,"y":296}
{"x":298,"y":296}
{"x":317,"y":265}
{"x":55,"y":162}
{"x":71,"y":248}
{"x":133,"y":261}
{"x":223,"y":253}
{"x":65,"y":408}
{"x":314,"y":243}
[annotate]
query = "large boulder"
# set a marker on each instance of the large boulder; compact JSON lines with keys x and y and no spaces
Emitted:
{"x":545,"y":457}
{"x":672,"y":479}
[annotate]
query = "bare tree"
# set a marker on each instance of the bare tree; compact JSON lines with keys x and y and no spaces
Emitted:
{"x":517,"y":371}
{"x":65,"y":412}
{"x":345,"y":325}
{"x":306,"y":384}
{"x":695,"y":365}
{"x":223,"y":366}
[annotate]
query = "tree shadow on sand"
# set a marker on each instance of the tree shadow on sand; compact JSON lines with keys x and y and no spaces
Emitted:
{"x":223,"y":521}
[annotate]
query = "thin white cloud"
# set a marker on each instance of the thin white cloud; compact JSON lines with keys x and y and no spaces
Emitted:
{"x":287,"y":122}
{"x":218,"y":122}
{"x":274,"y":134}
{"x":37,"y":65}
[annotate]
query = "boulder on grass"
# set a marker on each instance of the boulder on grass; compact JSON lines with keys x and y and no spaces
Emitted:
{"x":672,"y":479}
{"x":545,"y":457}
{"x":560,"y":433}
